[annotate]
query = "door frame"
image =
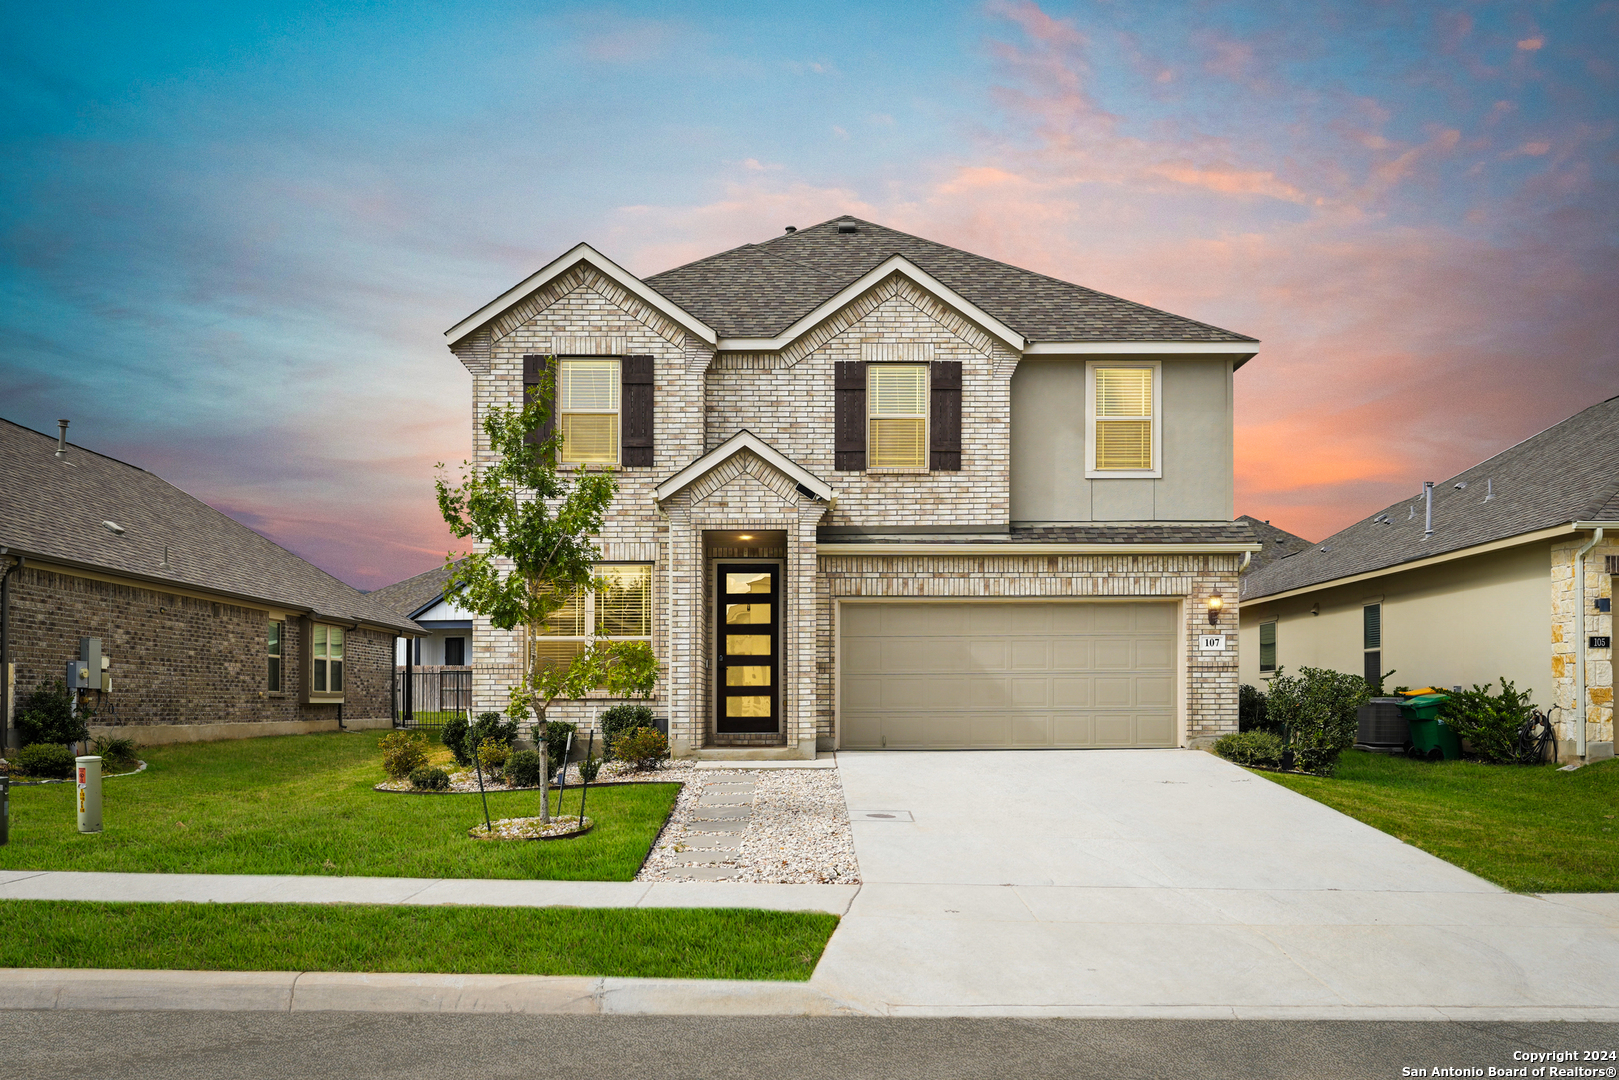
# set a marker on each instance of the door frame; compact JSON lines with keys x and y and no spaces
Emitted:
{"x":716,"y":688}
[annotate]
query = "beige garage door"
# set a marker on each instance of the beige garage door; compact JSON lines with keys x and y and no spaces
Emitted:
{"x":992,"y":674}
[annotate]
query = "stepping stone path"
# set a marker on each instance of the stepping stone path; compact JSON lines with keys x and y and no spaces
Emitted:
{"x":714,"y":832}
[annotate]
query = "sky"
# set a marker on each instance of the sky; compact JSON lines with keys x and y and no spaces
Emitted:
{"x":231,"y":236}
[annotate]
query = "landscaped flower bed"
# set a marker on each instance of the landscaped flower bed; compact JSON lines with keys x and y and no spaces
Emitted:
{"x":532,"y":828}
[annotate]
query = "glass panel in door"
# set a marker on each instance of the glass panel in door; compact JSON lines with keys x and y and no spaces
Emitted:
{"x":748,"y":646}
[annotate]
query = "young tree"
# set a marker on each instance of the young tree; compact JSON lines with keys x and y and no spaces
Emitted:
{"x":531,"y":527}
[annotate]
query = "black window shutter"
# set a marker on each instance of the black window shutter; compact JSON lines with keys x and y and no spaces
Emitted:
{"x":635,"y":411}
{"x":944,"y":419}
{"x":850,"y":416}
{"x":535,"y":369}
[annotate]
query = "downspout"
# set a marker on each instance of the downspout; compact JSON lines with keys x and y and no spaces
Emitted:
{"x":5,"y":652}
{"x":1579,"y":645}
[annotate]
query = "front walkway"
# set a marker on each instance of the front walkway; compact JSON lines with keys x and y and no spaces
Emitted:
{"x":1169,"y":882}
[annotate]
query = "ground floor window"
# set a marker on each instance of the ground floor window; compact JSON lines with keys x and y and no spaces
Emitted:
{"x":277,"y":633}
{"x":621,"y":610}
{"x":1267,"y":646}
{"x":326,"y":670}
{"x":455,"y":651}
{"x":1371,"y":617}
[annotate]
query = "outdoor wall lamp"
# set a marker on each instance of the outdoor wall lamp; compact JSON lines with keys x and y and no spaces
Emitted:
{"x":1215,"y":604}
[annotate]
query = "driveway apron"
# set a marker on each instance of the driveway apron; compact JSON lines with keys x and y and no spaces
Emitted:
{"x":1164,"y":882}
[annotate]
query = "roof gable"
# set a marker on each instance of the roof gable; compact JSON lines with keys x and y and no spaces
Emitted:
{"x":736,"y":444}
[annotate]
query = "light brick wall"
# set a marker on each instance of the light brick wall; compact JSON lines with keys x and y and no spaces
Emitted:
{"x":1569,"y":625}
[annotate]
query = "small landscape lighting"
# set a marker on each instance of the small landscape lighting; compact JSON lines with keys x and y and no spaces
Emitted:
{"x":1215,"y":604}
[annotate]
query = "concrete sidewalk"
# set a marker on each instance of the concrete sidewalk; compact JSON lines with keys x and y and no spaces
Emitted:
{"x":295,"y":889}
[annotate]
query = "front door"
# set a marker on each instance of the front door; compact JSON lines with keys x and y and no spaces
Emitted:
{"x":749,"y":648}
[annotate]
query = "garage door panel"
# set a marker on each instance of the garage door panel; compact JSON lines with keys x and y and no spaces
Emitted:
{"x":996,"y":673}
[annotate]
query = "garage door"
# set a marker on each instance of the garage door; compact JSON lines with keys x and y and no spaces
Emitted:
{"x":992,"y":674}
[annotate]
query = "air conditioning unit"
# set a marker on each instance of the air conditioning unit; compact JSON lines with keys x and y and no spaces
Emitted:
{"x":1382,"y":727}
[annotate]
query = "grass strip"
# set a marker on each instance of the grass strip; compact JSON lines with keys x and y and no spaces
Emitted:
{"x":304,"y":804}
{"x":670,"y":943}
{"x":1526,"y":828}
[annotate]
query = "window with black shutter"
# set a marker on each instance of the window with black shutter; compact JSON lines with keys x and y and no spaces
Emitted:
{"x":635,"y":411}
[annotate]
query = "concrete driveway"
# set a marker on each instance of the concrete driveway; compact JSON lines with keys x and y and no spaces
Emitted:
{"x":1169,"y":882}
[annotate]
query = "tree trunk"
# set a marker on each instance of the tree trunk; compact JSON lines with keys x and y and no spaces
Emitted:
{"x":545,"y":771}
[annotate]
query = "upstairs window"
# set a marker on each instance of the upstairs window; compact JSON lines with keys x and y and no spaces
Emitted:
{"x":1123,"y":436}
{"x":620,"y":611}
{"x":897,"y":416}
{"x":587,"y":410}
{"x":326,"y":670}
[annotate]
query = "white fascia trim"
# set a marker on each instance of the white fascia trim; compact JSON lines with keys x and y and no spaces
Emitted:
{"x":1033,"y":549}
{"x":581,"y":253}
{"x":1244,"y":349}
{"x":743,"y":440}
{"x":888,"y":266}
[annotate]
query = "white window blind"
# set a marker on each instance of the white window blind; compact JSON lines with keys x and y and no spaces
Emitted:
{"x":1124,"y":409}
{"x":897,"y":410}
{"x":587,"y":406}
{"x":620,"y":611}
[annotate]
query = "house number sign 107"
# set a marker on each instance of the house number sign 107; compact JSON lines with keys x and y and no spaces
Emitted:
{"x":1211,"y":642}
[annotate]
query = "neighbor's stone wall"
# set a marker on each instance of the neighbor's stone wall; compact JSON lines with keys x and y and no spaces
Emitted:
{"x":182,"y":661}
{"x":1569,"y":625}
{"x":1210,"y":690}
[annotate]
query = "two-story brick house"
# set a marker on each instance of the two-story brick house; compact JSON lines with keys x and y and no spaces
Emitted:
{"x":879,"y":492}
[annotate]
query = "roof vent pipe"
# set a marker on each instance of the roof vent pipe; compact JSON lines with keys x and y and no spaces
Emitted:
{"x":61,"y":438}
{"x":1427,"y":519}
{"x":792,"y":228}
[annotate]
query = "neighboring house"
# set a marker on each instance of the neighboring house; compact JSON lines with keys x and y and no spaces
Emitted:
{"x":1273,"y":543}
{"x":446,"y":639}
{"x":1484,"y":587}
{"x":878,"y":492}
{"x":210,"y":630}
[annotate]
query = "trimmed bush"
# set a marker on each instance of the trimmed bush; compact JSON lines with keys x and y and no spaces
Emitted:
{"x":454,"y":737}
{"x":556,"y":741}
{"x":46,"y":716}
{"x":589,"y":768}
{"x":1316,"y":708}
{"x":1251,"y":748}
{"x":403,"y":752}
{"x":427,"y":778}
{"x":523,"y":769}
{"x":620,"y":720}
{"x":488,"y":726}
{"x":1489,"y":722}
{"x":48,"y":761}
{"x":1251,"y":713}
{"x":492,"y":753}
{"x":642,"y":749}
{"x":117,"y":751}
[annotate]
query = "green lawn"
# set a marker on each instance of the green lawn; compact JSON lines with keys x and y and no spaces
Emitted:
{"x":303,"y":804}
{"x":677,"y":943}
{"x":1530,"y":829}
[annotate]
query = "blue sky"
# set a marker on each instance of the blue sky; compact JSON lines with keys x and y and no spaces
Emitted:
{"x":232,"y":236}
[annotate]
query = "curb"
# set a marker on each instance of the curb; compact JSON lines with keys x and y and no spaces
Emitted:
{"x":321,"y":991}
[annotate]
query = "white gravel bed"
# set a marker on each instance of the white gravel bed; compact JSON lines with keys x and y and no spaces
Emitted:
{"x":530,"y":828}
{"x":465,"y":780}
{"x":798,"y":832}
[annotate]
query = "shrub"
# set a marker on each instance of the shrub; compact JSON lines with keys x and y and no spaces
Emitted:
{"x":488,"y":726}
{"x":403,"y":752}
{"x":1251,"y":714}
{"x":46,"y":716}
{"x":117,"y":750}
{"x":427,"y":778}
{"x":48,"y":761}
{"x":454,"y":737}
{"x":588,"y":768}
{"x":523,"y":769}
{"x":556,"y":741}
{"x":1317,"y":707}
{"x":620,"y":720}
{"x":642,"y":749}
{"x":1251,"y":747}
{"x":492,"y":753}
{"x":1489,"y":722}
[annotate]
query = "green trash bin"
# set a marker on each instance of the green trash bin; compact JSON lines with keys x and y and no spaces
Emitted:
{"x":1431,"y":737}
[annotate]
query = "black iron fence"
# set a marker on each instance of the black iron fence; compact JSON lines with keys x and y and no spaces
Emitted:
{"x":427,"y":698}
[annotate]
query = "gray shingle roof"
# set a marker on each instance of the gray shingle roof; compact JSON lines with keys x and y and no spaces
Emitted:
{"x":1567,"y":473}
{"x":414,"y":593}
{"x":53,"y":508}
{"x":1277,"y":543}
{"x":1101,"y":532}
{"x":758,"y":290}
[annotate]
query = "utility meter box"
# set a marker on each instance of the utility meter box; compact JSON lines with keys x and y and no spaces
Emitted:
{"x":78,"y":676}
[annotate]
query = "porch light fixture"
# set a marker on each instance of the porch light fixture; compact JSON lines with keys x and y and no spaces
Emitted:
{"x":744,"y":536}
{"x":1215,"y":604}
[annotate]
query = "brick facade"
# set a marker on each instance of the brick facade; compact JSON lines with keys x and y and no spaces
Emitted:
{"x":704,"y":398}
{"x":181,"y":661}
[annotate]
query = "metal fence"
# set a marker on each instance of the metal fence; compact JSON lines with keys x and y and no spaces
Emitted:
{"x":426,"y":699}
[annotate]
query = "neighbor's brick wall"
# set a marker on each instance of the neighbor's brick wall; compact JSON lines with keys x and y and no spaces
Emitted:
{"x":177,"y":659}
{"x":1568,"y":626}
{"x":1210,"y":692}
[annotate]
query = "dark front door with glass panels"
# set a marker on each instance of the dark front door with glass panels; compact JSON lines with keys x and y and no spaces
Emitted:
{"x":749,"y":648}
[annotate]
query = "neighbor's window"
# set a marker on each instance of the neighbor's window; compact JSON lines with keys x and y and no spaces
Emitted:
{"x":1371,"y":621}
{"x":277,"y":633}
{"x":1267,"y":646}
{"x":1123,"y":438}
{"x":897,"y":414}
{"x":587,"y":404}
{"x":620,"y":611}
{"x":455,"y":652}
{"x":327,"y":648}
